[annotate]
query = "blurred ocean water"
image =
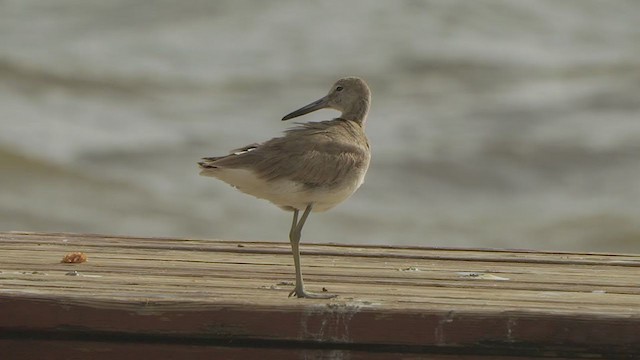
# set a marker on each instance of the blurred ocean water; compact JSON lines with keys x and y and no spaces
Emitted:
{"x":494,"y":123}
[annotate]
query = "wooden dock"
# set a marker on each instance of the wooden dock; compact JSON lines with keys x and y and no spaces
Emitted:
{"x":139,"y":298}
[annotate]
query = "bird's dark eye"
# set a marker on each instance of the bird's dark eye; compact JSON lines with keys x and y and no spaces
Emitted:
{"x":339,"y":88}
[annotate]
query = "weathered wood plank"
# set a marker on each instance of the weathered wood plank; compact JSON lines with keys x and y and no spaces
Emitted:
{"x":99,"y":350}
{"x":224,"y":294}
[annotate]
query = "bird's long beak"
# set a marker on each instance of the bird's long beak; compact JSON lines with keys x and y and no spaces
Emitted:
{"x":316,"y":105}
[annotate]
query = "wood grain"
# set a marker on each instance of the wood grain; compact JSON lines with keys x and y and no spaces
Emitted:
{"x":201,"y":295}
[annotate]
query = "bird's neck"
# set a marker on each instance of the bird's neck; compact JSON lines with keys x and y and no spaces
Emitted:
{"x":357,"y":113}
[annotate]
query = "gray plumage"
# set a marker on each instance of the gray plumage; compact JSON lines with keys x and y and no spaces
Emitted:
{"x":313,"y":167}
{"x":319,"y":156}
{"x":316,"y":154}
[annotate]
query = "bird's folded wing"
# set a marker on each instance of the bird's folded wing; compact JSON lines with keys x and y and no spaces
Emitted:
{"x":312,"y":162}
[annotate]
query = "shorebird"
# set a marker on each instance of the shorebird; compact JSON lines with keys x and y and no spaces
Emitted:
{"x":313,"y":167}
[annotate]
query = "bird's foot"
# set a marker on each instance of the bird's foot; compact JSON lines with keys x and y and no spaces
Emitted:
{"x":301,"y":293}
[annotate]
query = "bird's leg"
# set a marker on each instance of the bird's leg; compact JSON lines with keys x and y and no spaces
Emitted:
{"x":294,"y":237}
{"x":293,"y":224}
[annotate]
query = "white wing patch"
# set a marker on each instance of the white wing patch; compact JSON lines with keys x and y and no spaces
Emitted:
{"x":243,"y":151}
